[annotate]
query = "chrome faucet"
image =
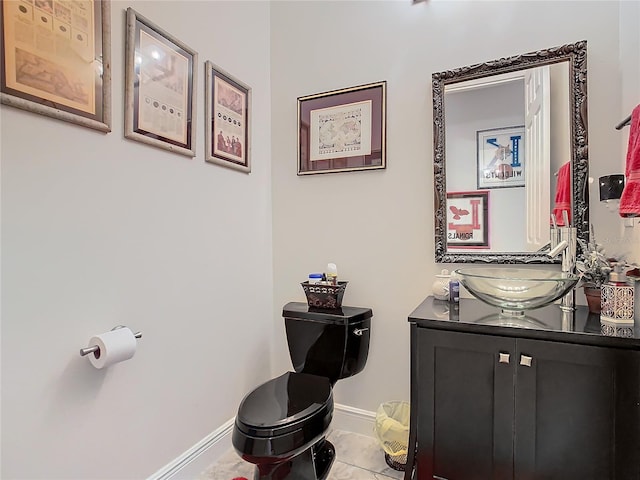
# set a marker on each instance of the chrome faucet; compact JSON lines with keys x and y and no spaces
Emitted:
{"x":563,"y":241}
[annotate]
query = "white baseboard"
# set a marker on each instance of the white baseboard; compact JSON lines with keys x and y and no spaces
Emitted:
{"x":194,"y":461}
{"x":354,"y":420}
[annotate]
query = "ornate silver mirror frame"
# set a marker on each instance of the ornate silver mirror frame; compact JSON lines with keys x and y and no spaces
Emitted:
{"x":576,"y":56}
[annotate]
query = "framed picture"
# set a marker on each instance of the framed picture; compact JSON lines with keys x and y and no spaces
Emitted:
{"x":160,"y":87}
{"x":56,"y":59}
{"x":227,"y":120}
{"x":342,"y":130}
{"x":468,"y":219}
{"x":501,"y":159}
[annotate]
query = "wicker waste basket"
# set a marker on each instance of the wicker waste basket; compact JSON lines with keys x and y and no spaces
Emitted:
{"x":392,"y":431}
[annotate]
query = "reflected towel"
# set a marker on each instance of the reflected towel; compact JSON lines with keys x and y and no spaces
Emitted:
{"x":563,"y":194}
{"x":630,"y":200}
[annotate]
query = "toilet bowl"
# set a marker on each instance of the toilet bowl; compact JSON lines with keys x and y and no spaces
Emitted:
{"x":281,"y":425}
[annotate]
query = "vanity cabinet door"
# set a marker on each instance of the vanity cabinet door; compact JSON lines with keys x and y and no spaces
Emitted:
{"x":465,"y":408}
{"x":576,"y":413}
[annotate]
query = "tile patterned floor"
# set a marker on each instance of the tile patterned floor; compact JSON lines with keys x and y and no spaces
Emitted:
{"x":358,"y":457}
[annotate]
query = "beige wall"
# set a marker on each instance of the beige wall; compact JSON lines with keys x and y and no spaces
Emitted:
{"x":99,"y":231}
{"x":377,"y":226}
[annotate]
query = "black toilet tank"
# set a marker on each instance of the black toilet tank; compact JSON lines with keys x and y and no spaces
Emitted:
{"x":329,"y":343}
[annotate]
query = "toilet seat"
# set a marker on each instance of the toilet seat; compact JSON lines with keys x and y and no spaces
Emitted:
{"x":283,"y":404}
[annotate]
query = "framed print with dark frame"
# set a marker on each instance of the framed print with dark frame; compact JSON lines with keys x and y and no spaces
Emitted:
{"x":468,"y":219}
{"x":227,"y":130}
{"x":56,"y":59}
{"x":343,"y":130}
{"x":160,"y":87}
{"x":501,"y":162}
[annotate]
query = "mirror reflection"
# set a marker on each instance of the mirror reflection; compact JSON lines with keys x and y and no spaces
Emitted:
{"x":504,"y":154}
{"x":516,"y":130}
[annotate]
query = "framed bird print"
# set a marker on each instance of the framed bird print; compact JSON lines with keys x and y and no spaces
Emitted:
{"x":468,"y":219}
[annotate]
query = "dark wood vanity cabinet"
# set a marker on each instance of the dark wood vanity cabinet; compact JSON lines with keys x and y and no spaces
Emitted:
{"x":498,"y":407}
{"x":464,"y":428}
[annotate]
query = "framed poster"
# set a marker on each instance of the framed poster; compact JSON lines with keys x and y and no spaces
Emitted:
{"x":56,"y":59}
{"x":160,"y":87}
{"x":342,"y":130}
{"x":227,"y":120}
{"x":501,"y":159}
{"x":468,"y":219}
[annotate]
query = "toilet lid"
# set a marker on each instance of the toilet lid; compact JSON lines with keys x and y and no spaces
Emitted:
{"x":283,"y":403}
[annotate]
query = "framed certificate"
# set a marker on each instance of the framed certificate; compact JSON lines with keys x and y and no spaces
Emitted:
{"x":227,"y":120}
{"x":160,"y":88}
{"x":56,"y":59}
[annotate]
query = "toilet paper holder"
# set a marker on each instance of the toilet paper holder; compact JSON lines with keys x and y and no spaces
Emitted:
{"x":95,"y":348}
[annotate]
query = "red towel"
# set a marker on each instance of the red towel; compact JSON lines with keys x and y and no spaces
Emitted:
{"x":563,"y":194}
{"x":630,"y":200}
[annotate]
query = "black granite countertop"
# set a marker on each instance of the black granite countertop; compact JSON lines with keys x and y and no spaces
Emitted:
{"x":547,"y":323}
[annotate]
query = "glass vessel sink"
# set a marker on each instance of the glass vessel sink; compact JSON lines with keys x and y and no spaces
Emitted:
{"x":515,"y":290}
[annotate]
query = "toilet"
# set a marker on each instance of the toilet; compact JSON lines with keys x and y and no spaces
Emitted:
{"x":281,"y":425}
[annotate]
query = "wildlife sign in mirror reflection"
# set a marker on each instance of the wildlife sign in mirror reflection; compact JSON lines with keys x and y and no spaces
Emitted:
{"x":501,"y":157}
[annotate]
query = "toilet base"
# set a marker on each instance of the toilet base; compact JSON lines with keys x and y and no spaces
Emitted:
{"x":312,"y":464}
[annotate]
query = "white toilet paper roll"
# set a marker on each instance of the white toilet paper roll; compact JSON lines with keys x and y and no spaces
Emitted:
{"x":115,"y":346}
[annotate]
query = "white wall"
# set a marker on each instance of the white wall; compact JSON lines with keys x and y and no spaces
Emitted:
{"x":377,"y":226}
{"x":99,"y":231}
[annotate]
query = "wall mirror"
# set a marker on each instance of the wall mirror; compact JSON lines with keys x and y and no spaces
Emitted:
{"x":510,"y":146}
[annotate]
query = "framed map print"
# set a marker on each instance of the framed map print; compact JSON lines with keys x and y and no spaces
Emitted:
{"x":342,"y":130}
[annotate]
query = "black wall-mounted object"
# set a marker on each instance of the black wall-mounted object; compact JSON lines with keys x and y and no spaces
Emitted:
{"x":611,"y":187}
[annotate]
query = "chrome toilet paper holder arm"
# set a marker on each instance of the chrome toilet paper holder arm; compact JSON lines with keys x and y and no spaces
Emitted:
{"x":95,"y":348}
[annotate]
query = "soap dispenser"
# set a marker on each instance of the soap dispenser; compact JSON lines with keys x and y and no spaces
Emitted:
{"x":616,"y":317}
{"x":440,"y":287}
